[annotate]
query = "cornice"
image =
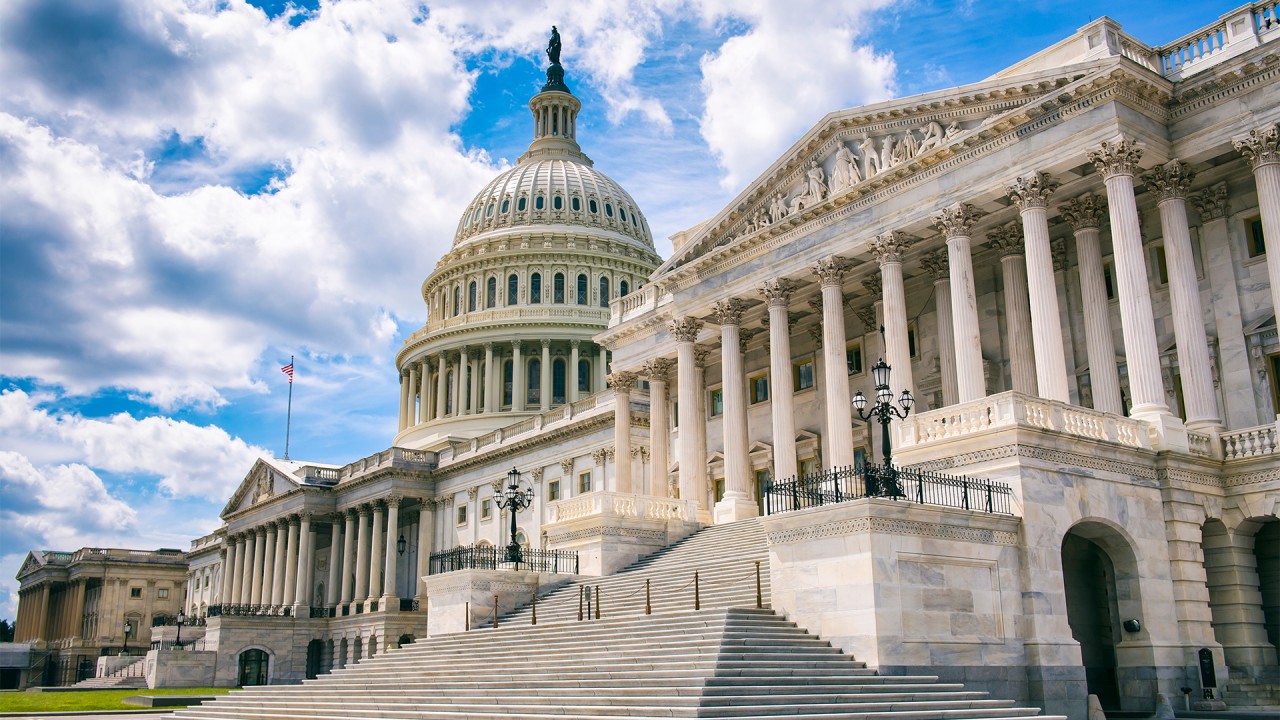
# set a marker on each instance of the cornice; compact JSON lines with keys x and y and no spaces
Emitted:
{"x":1235,"y":77}
{"x":496,"y":452}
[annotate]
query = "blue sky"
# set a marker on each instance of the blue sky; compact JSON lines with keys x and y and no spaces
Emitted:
{"x":192,"y":191}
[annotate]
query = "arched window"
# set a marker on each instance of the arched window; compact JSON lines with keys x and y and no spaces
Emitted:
{"x":557,"y":380}
{"x":535,"y":382}
{"x":558,"y":288}
{"x":522,"y":204}
{"x":557,"y":203}
{"x":472,"y":292}
{"x":457,"y":299}
{"x":623,"y":288}
{"x":608,"y":209}
{"x":539,"y":203}
{"x":535,"y":288}
{"x":576,"y":204}
{"x":590,"y":204}
{"x":513,"y":289}
{"x":507,"y":370}
{"x":584,"y":376}
{"x":489,"y":211}
{"x":491,"y":293}
{"x":604,"y":292}
{"x":622,"y":213}
{"x":448,"y":393}
{"x":506,"y":205}
{"x":582,"y":289}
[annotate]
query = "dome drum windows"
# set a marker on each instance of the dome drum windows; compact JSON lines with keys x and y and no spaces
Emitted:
{"x":472,"y":293}
{"x":491,"y":293}
{"x":558,"y":289}
{"x":513,"y":290}
{"x":582,"y":289}
{"x":535,"y":288}
{"x":604,"y":291}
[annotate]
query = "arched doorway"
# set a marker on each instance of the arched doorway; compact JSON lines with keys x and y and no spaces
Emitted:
{"x":315,"y":657}
{"x":253,"y":667}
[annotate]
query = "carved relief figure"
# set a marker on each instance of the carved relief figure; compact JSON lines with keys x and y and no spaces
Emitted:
{"x":815,"y":188}
{"x":778,"y":208}
{"x":932,"y":137}
{"x":870,"y":160}
{"x":886,"y":152}
{"x":845,"y":172}
{"x":762,"y":218}
{"x":905,"y":149}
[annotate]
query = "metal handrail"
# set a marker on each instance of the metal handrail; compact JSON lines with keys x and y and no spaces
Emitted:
{"x":488,"y":557}
{"x":891,"y":483}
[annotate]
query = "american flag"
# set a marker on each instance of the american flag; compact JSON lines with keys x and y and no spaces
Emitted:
{"x":288,"y":370}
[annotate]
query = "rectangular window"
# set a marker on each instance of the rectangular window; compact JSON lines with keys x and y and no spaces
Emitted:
{"x":1257,"y":244}
{"x":758,"y":388}
{"x":853,"y":358}
{"x":462,"y":515}
{"x":553,"y":491}
{"x":135,"y":592}
{"x":162,"y":593}
{"x":486,"y":509}
{"x":717,"y":402}
{"x":802,"y":374}
{"x":584,"y":482}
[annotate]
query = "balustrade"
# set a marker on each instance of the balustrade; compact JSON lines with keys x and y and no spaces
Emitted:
{"x":619,"y":505}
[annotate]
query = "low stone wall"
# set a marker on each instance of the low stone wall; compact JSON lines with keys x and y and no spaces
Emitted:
{"x":464,"y":599}
{"x":180,"y":669}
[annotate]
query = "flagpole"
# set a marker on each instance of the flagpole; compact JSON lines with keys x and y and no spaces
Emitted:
{"x":288,"y":422}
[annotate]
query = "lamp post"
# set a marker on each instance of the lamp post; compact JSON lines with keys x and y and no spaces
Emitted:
{"x":400,"y":545}
{"x":182,"y":618}
{"x":884,"y":409}
{"x":515,"y":499}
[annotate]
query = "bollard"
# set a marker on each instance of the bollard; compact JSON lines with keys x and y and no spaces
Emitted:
{"x":535,"y":609}
{"x":648,"y":607}
{"x":697,"y":592}
{"x":467,"y":625}
{"x":580,"y":603}
{"x":759,"y":596}
{"x":597,"y":602}
{"x":495,"y":612}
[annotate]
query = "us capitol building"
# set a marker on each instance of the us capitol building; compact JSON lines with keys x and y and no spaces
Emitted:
{"x":1065,"y":269}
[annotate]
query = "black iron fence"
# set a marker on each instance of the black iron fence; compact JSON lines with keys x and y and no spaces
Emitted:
{"x":891,"y":483}
{"x":488,"y":557}
{"x":250,"y":610}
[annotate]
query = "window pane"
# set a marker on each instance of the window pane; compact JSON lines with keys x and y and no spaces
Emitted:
{"x":557,"y":381}
{"x":513,"y":290}
{"x":604,"y":292}
{"x":535,"y":382}
{"x":491,"y":293}
{"x":559,"y":288}
{"x":535,"y":288}
{"x":582,"y":289}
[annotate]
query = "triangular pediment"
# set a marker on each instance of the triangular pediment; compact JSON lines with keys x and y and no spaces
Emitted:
{"x":32,"y":563}
{"x":263,"y":482}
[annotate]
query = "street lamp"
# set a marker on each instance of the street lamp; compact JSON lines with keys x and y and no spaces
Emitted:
{"x":182,"y":618}
{"x":515,"y":499}
{"x":884,"y":410}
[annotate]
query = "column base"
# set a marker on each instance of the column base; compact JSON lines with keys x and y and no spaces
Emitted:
{"x":390,"y":604}
{"x":735,"y":508}
{"x":1168,"y":432}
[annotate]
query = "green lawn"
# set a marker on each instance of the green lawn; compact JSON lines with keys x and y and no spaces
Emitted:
{"x":88,"y":699}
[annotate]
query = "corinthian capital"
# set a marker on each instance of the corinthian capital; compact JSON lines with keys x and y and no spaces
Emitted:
{"x":658,"y":368}
{"x":1211,"y":203}
{"x":888,"y":248}
{"x":868,"y":317}
{"x":1117,"y":157}
{"x":1170,"y":181}
{"x":1007,"y":239}
{"x":685,"y":329}
{"x":957,"y":219}
{"x":700,"y":355}
{"x":873,"y":285}
{"x":729,"y":312}
{"x":937,"y":265}
{"x":622,"y":380}
{"x":1032,"y":191}
{"x":831,"y":270}
{"x":1083,"y":212}
{"x":778,"y":292}
{"x":1261,"y":146}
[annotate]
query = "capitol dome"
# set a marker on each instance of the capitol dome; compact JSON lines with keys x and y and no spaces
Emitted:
{"x":513,"y":307}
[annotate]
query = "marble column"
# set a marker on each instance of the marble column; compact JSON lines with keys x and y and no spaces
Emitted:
{"x":777,"y":293}
{"x":1170,"y":183}
{"x":1117,"y":161}
{"x":462,"y":398}
{"x":888,"y":249}
{"x":412,"y":403}
{"x":1007,"y":240}
{"x":245,"y":569}
{"x":602,"y":367}
{"x":1085,"y":214}
{"x":518,"y":385}
{"x":658,"y":371}
{"x":700,"y":354}
{"x":1031,"y":195}
{"x":574,"y":379}
{"x":838,"y":427}
{"x":269,"y":564}
{"x":404,"y":400}
{"x":426,"y":531}
{"x":1262,"y":148}
{"x":622,"y":383}
{"x":477,"y":366}
{"x":545,"y":376}
{"x":442,"y":386}
{"x":424,"y":390}
{"x":935,"y":264}
{"x":375,"y":552}
{"x":490,"y":380}
{"x":349,"y":571}
{"x":334,"y":581}
{"x":362,"y":555}
{"x":259,"y":546}
{"x":692,"y":468}
{"x":736,"y":503}
{"x":1224,"y":299}
{"x":230,"y":591}
{"x":306,"y":561}
{"x":393,"y":527}
{"x":291,"y":562}
{"x":956,"y":222}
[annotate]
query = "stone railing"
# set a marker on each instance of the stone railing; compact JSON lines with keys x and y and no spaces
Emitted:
{"x":1011,"y":409}
{"x":1251,"y":442}
{"x":206,"y":541}
{"x":391,"y":457}
{"x":1239,"y":30}
{"x":619,"y":505}
{"x":637,"y":303}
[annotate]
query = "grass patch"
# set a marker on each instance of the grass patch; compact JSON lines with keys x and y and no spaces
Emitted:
{"x":88,"y":699}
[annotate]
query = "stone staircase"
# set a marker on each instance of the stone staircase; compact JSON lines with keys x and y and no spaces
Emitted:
{"x":1249,"y":690}
{"x":130,"y":676}
{"x":728,"y":659}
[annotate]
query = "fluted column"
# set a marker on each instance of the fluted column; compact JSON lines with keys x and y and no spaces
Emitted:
{"x":424,"y":390}
{"x":888,"y":249}
{"x":349,"y":563}
{"x":935,"y":264}
{"x":291,"y":562}
{"x":544,"y":380}
{"x":306,"y":561}
{"x":602,"y":367}
{"x":393,"y":527}
{"x":362,"y":555}
{"x":660,"y":459}
{"x":839,"y":413}
{"x":245,"y":568}
{"x":462,"y":398}
{"x":1031,"y":195}
{"x":1170,"y":183}
{"x":490,"y":380}
{"x":426,"y":531}
{"x":259,"y":548}
{"x":375,"y":552}
{"x":333,"y":582}
{"x":518,"y":385}
{"x":269,"y":568}
{"x":622,"y":383}
{"x":956,"y":222}
{"x":692,"y":468}
{"x":1007,"y":240}
{"x":1220,"y":274}
{"x":700,"y":354}
{"x":404,"y":400}
{"x":777,"y":293}
{"x":476,"y":379}
{"x":230,"y":593}
{"x":1085,"y":214}
{"x":573,"y":378}
{"x":736,"y":503}
{"x":1116,"y":162}
{"x":1262,"y":148}
{"x":442,"y":386}
{"x":411,"y":407}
